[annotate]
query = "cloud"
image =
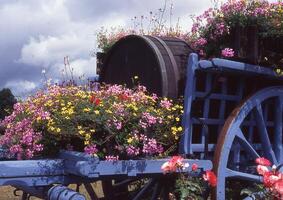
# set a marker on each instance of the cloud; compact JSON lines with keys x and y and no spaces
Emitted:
{"x":39,"y":33}
{"x":21,"y":87}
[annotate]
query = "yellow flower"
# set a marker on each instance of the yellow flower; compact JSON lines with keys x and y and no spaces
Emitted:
{"x":96,"y":112}
{"x":92,"y":130}
{"x":86,"y":142}
{"x":79,"y":127}
{"x":87,"y":136}
{"x":58,"y":130}
{"x":177,"y":119}
{"x":180,"y":128}
{"x":130,"y":140}
{"x":86,"y":109}
{"x":81,"y":132}
{"x":136,"y":77}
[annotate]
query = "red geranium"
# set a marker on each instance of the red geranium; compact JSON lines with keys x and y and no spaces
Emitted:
{"x":91,"y":99}
{"x":269,"y":178}
{"x":97,"y":102}
{"x":261,"y":169}
{"x":210,"y":177}
{"x":263,"y":161}
{"x":176,"y":162}
{"x":124,"y":97}
{"x":194,"y":167}
{"x":278,"y":186}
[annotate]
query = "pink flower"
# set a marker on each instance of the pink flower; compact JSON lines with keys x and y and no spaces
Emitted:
{"x":210,"y":177}
{"x":91,"y":149}
{"x":261,"y":169}
{"x":165,"y":104}
{"x":227,"y":52}
{"x":176,"y":162}
{"x":194,"y":167}
{"x":278,"y":186}
{"x":263,"y":161}
{"x":111,"y":158}
{"x":269,"y":178}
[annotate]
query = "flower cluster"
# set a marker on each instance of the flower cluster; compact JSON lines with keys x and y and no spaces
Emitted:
{"x":212,"y":31}
{"x":174,"y":164}
{"x":112,"y":122}
{"x":186,"y":186}
{"x":272,"y":178}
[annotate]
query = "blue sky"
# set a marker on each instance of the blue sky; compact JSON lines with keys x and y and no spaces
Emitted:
{"x":37,"y":34}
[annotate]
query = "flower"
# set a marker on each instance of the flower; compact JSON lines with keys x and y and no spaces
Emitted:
{"x":194,"y":167}
{"x":91,"y":149}
{"x":263,"y":161}
{"x":111,"y":158}
{"x":278,"y":186}
{"x":261,"y":169}
{"x":210,"y":177}
{"x":175,"y":163}
{"x":227,"y":52}
{"x":92,"y":121}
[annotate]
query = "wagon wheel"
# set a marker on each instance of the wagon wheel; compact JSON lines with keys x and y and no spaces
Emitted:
{"x":253,"y":129}
{"x":148,"y":188}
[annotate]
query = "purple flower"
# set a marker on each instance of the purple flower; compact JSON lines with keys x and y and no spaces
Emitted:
{"x":111,"y":158}
{"x":227,"y":52}
{"x":91,"y":149}
{"x":132,"y":151}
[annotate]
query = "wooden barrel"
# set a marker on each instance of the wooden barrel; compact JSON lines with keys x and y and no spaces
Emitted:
{"x":158,"y":62}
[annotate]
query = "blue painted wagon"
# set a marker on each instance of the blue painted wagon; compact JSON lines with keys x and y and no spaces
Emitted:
{"x":232,"y":115}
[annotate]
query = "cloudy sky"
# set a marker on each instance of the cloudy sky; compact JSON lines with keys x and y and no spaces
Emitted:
{"x":38,"y":34}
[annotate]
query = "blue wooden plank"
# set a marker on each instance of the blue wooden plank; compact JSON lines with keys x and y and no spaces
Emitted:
{"x":126,"y":167}
{"x":218,"y":96}
{"x":32,"y":181}
{"x":26,"y":168}
{"x":186,"y":138}
{"x":244,"y":67}
{"x":222,"y":104}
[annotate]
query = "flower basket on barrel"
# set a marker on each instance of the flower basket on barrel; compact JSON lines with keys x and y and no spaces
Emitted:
{"x":252,"y":47}
{"x":247,"y":31}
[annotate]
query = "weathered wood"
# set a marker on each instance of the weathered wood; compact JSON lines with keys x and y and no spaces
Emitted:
{"x":159,"y":63}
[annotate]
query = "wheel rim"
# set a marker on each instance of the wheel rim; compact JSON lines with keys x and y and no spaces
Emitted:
{"x":254,"y":129}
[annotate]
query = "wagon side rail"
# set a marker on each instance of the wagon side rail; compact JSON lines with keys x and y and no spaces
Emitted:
{"x":93,"y":168}
{"x":211,"y":70}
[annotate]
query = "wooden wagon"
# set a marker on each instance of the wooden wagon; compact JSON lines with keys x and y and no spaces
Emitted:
{"x":232,"y":115}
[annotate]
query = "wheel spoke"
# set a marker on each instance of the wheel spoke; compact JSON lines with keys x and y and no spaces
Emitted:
{"x":242,"y":175}
{"x":278,"y":109}
{"x":156,"y":191}
{"x":267,"y":147}
{"x":245,"y":144}
{"x":144,"y":189}
{"x":123,"y":183}
{"x":90,"y":191}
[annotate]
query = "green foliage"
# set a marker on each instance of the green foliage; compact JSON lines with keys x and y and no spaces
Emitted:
{"x":188,"y":187}
{"x":7,"y":100}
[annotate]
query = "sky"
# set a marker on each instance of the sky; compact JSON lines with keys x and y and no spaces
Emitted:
{"x":36,"y":35}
